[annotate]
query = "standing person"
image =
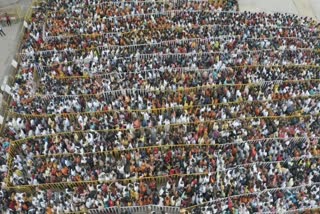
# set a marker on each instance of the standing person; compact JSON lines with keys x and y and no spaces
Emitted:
{"x":1,"y":32}
{"x":8,"y":19}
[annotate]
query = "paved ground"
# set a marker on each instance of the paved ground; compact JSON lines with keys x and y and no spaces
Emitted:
{"x":8,"y":46}
{"x":315,"y":6}
{"x":300,"y":7}
{"x":5,"y":3}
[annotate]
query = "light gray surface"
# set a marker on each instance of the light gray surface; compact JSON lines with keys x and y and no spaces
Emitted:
{"x":8,"y":46}
{"x":300,"y":7}
{"x":5,"y":3}
{"x":315,"y":5}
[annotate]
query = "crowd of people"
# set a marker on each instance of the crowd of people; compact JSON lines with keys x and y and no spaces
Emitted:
{"x":179,"y":104}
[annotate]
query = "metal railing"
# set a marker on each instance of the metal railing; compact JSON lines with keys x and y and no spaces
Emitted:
{"x":134,"y":209}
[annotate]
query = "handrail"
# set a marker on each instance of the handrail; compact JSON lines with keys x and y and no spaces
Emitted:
{"x":20,"y":141}
{"x":99,"y":113}
{"x":315,"y":208}
{"x":166,"y":146}
{"x":179,"y":89}
{"x":257,"y":194}
{"x":176,"y":55}
{"x":63,"y":185}
{"x":131,"y":209}
{"x":135,"y":30}
{"x":108,"y":34}
{"x":187,"y":69}
{"x":166,"y":42}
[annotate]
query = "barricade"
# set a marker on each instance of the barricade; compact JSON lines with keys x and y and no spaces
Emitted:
{"x":256,"y":195}
{"x":127,"y":91}
{"x":189,"y":69}
{"x":161,"y":127}
{"x":156,"y":111}
{"x":64,"y":36}
{"x":163,"y":43}
{"x":166,"y":147}
{"x":42,"y":68}
{"x":158,"y":179}
{"x":134,"y":209}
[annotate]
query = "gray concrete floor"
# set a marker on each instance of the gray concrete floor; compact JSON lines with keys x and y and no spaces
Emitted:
{"x":8,"y":46}
{"x":309,"y":8}
{"x":5,"y":3}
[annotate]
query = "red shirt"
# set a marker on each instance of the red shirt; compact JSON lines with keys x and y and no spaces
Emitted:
{"x":12,"y":205}
{"x":172,"y":172}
